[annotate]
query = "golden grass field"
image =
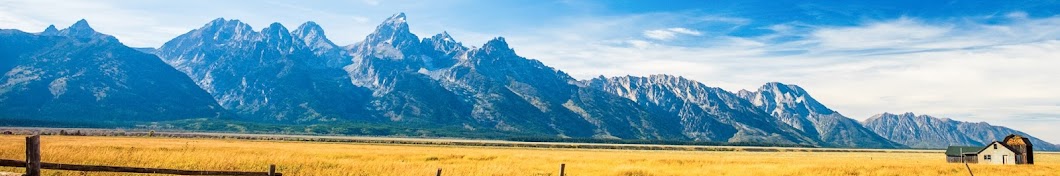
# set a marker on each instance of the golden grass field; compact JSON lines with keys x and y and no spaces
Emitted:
{"x":317,"y":158}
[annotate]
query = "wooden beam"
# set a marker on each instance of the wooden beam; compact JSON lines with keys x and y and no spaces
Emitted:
{"x":92,"y":168}
{"x":12,"y":163}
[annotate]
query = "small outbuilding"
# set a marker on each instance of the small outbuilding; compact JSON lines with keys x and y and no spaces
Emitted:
{"x":955,"y":154}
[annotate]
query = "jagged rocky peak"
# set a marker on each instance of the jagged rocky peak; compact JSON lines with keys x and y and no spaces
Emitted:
{"x":313,"y":35}
{"x":497,"y":46}
{"x":309,"y":27}
{"x":394,"y":31}
{"x":310,"y":31}
{"x":396,"y":21}
{"x":783,"y":88}
{"x":276,"y":30}
{"x":775,"y":96}
{"x":444,"y":36}
{"x":81,"y":25}
{"x":626,"y":85}
{"x":671,"y":78}
{"x":441,"y":39}
{"x":278,"y":35}
{"x":221,"y":29}
{"x":907,"y":117}
{"x":746,"y":94}
{"x":221,"y":23}
{"x":51,"y":30}
{"x":79,"y":29}
{"x":445,"y":43}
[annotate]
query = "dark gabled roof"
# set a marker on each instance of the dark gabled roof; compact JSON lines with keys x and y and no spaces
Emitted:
{"x":956,"y":150}
{"x":1000,"y":143}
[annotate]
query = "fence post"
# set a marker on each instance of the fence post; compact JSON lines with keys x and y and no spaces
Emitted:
{"x":33,"y":155}
{"x":562,"y":167}
{"x":439,"y":172}
{"x":272,"y":170}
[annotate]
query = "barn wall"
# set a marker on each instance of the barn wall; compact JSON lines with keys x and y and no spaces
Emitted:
{"x":1001,"y":155}
{"x":956,"y":159}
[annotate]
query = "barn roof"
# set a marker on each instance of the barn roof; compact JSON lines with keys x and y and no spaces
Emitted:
{"x":956,"y":150}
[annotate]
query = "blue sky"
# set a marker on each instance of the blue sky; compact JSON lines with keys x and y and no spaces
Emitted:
{"x":992,"y":61}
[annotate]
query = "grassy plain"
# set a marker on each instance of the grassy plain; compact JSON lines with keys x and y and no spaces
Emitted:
{"x":319,"y":158}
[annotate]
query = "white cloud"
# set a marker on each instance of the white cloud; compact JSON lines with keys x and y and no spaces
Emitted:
{"x":670,"y":33}
{"x":899,"y":33}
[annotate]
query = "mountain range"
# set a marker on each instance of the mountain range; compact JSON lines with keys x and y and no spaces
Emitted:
{"x":929,"y":132}
{"x":226,"y":72}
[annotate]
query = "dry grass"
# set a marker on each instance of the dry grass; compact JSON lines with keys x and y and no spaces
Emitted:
{"x":304,"y":158}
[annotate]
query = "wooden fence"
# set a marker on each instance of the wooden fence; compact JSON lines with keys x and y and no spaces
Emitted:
{"x":33,"y":165}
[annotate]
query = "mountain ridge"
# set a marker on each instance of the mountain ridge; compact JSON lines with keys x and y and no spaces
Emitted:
{"x":917,"y":130}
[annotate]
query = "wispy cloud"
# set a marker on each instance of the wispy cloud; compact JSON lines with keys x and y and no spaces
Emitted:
{"x":670,"y":33}
{"x":901,"y":33}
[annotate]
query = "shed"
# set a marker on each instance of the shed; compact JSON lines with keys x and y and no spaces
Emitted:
{"x":954,"y":154}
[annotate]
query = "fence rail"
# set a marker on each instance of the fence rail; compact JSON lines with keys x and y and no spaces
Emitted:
{"x":33,"y":165}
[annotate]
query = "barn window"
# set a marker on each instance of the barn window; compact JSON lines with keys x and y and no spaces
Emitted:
{"x":995,"y":146}
{"x":987,"y":157}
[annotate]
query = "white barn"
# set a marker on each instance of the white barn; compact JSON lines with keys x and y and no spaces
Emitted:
{"x":997,"y":153}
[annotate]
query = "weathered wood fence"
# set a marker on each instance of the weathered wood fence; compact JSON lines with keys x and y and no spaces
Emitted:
{"x":33,"y":165}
